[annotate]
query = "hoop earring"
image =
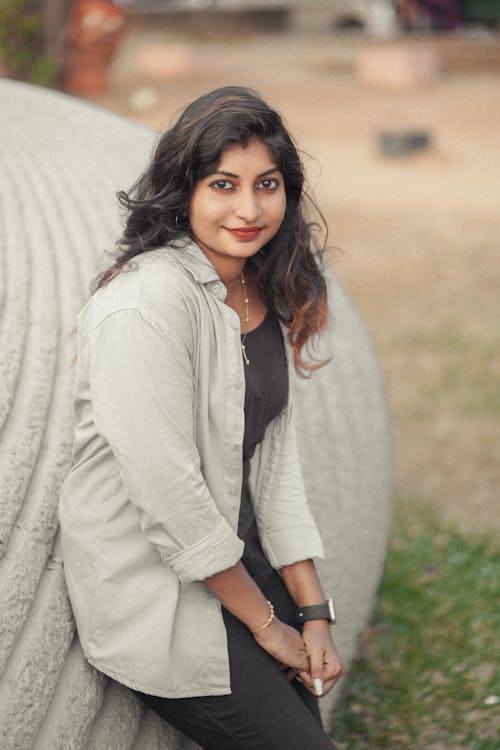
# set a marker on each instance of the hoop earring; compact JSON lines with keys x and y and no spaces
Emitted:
{"x":176,"y":220}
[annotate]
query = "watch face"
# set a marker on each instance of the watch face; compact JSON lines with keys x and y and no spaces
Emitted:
{"x":331,"y":611}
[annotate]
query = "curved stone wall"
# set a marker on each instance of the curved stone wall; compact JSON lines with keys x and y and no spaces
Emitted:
{"x":61,"y":163}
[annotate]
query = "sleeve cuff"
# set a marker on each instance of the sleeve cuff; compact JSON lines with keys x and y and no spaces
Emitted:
{"x":218,"y":551}
{"x":290,"y":545}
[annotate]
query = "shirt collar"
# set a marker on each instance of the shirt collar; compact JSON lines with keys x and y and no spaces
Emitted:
{"x":193,"y":259}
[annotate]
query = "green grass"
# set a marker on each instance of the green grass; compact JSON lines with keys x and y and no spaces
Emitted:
{"x":431,"y":656}
{"x":451,"y":368}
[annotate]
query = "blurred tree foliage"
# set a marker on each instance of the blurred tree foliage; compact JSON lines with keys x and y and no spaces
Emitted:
{"x":31,"y":39}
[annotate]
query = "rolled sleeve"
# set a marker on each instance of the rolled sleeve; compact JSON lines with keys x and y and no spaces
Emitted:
{"x":216,"y":552}
{"x":142,"y":390}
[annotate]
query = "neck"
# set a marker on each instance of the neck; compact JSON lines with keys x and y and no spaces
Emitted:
{"x":229,"y":269}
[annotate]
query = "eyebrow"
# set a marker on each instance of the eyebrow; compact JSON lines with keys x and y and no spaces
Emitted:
{"x":236,"y":176}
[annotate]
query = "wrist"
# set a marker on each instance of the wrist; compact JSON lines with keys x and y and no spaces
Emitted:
{"x":314,"y":612}
{"x":261,"y":636}
{"x":316,"y":626}
{"x":264,"y":623}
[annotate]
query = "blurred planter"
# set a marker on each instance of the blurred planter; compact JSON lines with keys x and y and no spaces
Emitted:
{"x":94,"y":32}
{"x":24,"y":50}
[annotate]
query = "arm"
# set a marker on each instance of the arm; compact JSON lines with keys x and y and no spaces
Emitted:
{"x":286,"y":526}
{"x":290,"y":538}
{"x":239,"y":593}
{"x":305,"y":589}
{"x":142,"y":390}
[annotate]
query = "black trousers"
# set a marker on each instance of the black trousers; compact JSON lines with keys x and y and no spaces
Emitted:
{"x":264,"y":710}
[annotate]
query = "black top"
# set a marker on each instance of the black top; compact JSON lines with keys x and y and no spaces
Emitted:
{"x":266,"y":394}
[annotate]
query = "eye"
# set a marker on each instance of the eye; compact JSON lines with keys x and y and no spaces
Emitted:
{"x":222,"y":185}
{"x":269,"y":183}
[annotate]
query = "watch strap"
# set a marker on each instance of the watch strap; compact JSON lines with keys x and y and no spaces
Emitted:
{"x":323,"y":611}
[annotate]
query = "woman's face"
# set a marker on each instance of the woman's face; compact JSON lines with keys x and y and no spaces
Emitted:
{"x":238,"y":208}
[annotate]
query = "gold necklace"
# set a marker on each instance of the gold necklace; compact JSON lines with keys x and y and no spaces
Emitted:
{"x":247,"y":317}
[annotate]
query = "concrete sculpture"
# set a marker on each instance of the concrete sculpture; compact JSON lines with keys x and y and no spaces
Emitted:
{"x":61,"y":163}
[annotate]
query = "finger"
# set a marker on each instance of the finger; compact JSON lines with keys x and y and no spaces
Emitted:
{"x":332,"y":671}
{"x":329,"y":683}
{"x":327,"y":686}
{"x":306,"y":678}
{"x":332,"y":666}
{"x":313,"y":688}
{"x":309,"y":685}
{"x":316,"y":656}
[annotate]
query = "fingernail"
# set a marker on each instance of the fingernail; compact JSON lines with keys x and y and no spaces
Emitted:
{"x":318,"y":686}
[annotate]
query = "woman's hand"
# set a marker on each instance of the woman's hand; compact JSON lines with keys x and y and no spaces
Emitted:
{"x":324,"y":663}
{"x":284,"y":644}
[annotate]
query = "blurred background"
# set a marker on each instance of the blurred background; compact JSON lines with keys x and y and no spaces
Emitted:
{"x":396,"y":105}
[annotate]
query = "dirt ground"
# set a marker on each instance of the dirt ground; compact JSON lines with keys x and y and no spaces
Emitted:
{"x":415,"y":237}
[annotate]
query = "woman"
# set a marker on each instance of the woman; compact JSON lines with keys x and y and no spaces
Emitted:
{"x":188,"y":542}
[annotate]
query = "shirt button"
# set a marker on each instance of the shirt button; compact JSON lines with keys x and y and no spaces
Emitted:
{"x":216,"y":287}
{"x":237,"y":386}
{"x":233,"y":446}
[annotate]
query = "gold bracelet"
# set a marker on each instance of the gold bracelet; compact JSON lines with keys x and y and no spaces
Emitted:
{"x":271,"y":618}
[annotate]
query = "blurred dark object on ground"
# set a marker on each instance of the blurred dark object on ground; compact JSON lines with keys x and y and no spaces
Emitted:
{"x":224,"y":16}
{"x":219,"y":16}
{"x":401,"y":143}
{"x":94,"y":32}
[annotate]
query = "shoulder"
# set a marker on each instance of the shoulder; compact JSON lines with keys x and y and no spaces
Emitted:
{"x":153,"y":283}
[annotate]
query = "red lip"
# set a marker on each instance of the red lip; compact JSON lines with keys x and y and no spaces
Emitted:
{"x":245,"y":233}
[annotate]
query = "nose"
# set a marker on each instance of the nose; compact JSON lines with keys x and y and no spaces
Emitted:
{"x":247,"y":206}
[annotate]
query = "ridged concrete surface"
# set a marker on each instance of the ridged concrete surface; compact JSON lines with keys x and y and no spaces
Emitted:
{"x":61,"y":162}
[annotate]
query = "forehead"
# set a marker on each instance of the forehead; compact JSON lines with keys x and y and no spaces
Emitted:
{"x":253,"y":157}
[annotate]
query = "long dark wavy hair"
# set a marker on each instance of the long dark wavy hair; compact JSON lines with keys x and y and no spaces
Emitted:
{"x":290,"y":267}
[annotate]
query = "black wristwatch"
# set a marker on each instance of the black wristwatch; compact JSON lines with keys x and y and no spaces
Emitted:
{"x":323,"y":611}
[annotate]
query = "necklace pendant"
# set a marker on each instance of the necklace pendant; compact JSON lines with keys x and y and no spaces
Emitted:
{"x":245,"y":356}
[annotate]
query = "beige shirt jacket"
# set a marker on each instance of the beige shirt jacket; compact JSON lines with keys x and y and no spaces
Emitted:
{"x":150,"y":507}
